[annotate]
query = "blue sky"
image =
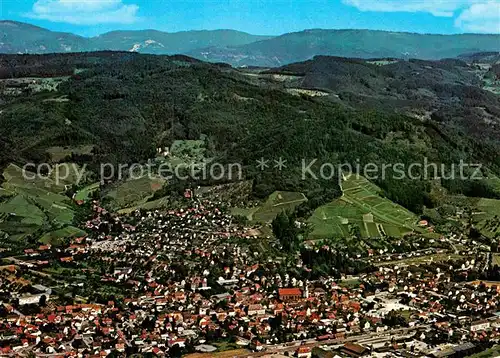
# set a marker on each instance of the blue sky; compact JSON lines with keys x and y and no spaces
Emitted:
{"x":267,"y":17}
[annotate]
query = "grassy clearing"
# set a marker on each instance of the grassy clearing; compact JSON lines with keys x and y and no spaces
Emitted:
{"x":494,"y":182}
{"x":246,"y":212}
{"x":354,"y":283}
{"x":334,"y":218}
{"x":406,"y":314}
{"x":361,"y":208}
{"x":16,"y":180}
{"x":60,"y":236}
{"x":17,"y":231}
{"x":134,"y":192}
{"x":57,"y":211}
{"x":361,"y":192}
{"x":57,"y":154}
{"x":20,"y":208}
{"x":4,"y":193}
{"x":149,"y":205}
{"x":275,"y":203}
{"x":33,"y":205}
{"x":67,"y":173}
{"x":486,"y":214}
{"x":85,"y":193}
{"x":496,"y":259}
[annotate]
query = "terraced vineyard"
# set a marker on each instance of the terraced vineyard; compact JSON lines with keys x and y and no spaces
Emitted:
{"x":363,"y":209}
{"x":33,"y":205}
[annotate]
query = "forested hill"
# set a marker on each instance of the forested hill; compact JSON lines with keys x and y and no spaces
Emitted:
{"x":243,"y":49}
{"x":18,"y":37}
{"x":300,"y":46}
{"x":127,"y":105}
{"x":450,"y":92}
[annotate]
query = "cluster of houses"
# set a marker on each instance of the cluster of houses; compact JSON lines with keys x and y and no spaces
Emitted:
{"x":185,"y":280}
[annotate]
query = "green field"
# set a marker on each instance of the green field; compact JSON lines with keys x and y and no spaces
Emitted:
{"x":4,"y":193}
{"x":57,"y":237}
{"x":15,"y":180}
{"x":25,"y":211}
{"x":275,"y":203}
{"x":485,"y":213}
{"x":353,"y":283}
{"x":494,"y":182}
{"x":84,"y":193}
{"x":486,"y":216}
{"x":32,"y":205}
{"x":58,"y":154}
{"x":363,"y":209}
{"x":134,"y":192}
{"x":67,"y":174}
{"x":148,"y":205}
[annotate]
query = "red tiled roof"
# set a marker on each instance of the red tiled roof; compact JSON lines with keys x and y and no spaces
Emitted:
{"x":356,"y":348}
{"x":303,"y":350}
{"x":290,"y":292}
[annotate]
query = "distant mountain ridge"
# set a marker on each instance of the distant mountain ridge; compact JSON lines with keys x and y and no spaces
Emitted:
{"x":243,"y":49}
{"x":304,"y":45}
{"x":19,"y":38}
{"x":158,"y":42}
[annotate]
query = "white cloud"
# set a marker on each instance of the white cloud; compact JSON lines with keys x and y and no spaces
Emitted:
{"x":84,"y":12}
{"x":473,"y":15}
{"x":484,"y":17}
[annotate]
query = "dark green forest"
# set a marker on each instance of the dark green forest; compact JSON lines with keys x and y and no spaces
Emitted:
{"x":127,"y":105}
